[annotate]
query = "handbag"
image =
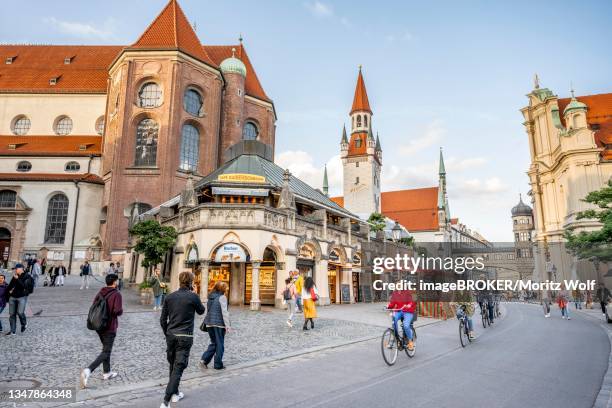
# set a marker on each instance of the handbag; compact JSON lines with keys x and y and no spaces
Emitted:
{"x":313,"y":295}
{"x":203,"y":326}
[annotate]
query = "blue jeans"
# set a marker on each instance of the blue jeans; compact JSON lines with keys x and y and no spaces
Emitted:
{"x":159,"y":300}
{"x":565,"y":311}
{"x":460,"y":314}
{"x":491,"y":308}
{"x":17,"y":308}
{"x":407,"y":320}
{"x":216,"y":346}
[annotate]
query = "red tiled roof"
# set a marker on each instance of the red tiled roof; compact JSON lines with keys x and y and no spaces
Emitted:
{"x":599,"y":112}
{"x":415,"y":209}
{"x":353,"y":150}
{"x":34,"y":65}
{"x":50,"y":145}
{"x":86,"y":178}
{"x":252,"y":85}
{"x":171,"y":30}
{"x":360,"y":100}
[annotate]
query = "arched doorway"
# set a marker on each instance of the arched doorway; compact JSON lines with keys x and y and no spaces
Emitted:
{"x":306,"y":260}
{"x":267,"y":279}
{"x":227,"y":263}
{"x":5,"y":246}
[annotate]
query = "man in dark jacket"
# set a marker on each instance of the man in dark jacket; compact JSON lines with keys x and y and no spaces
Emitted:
{"x":176,"y":321}
{"x":3,"y":287}
{"x":19,"y":288}
{"x":107,"y":335}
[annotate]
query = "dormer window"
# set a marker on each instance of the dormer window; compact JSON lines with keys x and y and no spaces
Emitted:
{"x":68,"y":60}
{"x":53,"y":81}
{"x":9,"y":60}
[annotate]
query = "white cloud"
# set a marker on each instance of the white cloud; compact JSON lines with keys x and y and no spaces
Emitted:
{"x":301,"y":164}
{"x":434,"y":133}
{"x":82,"y":30}
{"x":401,"y":178}
{"x":454,"y":164}
{"x":319,"y":9}
{"x":475,"y":187}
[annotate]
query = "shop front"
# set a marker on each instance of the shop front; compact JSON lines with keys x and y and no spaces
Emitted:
{"x":267,"y":280}
{"x":334,"y":275}
{"x":356,"y":275}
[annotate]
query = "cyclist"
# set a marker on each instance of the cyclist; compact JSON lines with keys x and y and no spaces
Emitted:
{"x":464,"y":299}
{"x":404,"y":307}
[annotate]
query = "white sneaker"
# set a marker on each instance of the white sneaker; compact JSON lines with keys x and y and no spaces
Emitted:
{"x":163,"y":405}
{"x":547,"y":315}
{"x":563,"y":317}
{"x":109,"y":375}
{"x":154,"y":308}
{"x":569,"y":318}
{"x":289,"y":323}
{"x":177,"y":397}
{"x":84,"y":377}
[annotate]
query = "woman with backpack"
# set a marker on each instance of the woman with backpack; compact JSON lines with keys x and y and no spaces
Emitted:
{"x":310,"y":294}
{"x":217,"y":324}
{"x":289,"y":299}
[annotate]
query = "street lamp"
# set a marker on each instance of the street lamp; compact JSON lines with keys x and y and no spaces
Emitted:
{"x":396,"y":232}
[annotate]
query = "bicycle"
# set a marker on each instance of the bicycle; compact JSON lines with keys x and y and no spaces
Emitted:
{"x":464,"y":328}
{"x":391,"y":342}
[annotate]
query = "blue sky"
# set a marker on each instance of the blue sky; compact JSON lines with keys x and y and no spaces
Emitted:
{"x":446,"y":73}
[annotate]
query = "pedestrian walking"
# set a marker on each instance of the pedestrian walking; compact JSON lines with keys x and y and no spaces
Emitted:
{"x":119,"y":272}
{"x":85,"y":272}
{"x":107,"y":334}
{"x":60,"y":273}
{"x":299,"y":284}
{"x":36,"y":271}
{"x":546,"y":302}
{"x":289,"y":298}
{"x":19,"y":288}
{"x":158,"y":287}
{"x":310,"y":294}
{"x":217,"y":325}
{"x":111,"y":269}
{"x":43,"y":265}
{"x":3,"y":294}
{"x":562,"y":300}
{"x":577,"y":299}
{"x":176,"y":321}
{"x":604,"y":296}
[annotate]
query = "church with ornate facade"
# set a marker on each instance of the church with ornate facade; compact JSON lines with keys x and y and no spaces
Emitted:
{"x":93,"y":136}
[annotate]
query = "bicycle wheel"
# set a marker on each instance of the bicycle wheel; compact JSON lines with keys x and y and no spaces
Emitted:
{"x":388,"y":347}
{"x":463,"y":336}
{"x":411,"y":353}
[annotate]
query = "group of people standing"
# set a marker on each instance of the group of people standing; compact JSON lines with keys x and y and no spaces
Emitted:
{"x":301,"y":293}
{"x":177,"y":323}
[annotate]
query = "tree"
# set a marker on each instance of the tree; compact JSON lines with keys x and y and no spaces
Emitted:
{"x":154,"y":241}
{"x":377,"y":221}
{"x":594,"y":244}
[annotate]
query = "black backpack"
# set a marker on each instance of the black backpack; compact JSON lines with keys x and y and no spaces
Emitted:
{"x":287,"y":294}
{"x":99,"y":315}
{"x":29,"y":285}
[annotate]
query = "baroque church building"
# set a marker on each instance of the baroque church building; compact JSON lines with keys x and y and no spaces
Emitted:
{"x":106,"y":133}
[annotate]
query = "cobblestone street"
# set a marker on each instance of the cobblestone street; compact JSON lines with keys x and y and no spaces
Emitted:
{"x":57,"y":343}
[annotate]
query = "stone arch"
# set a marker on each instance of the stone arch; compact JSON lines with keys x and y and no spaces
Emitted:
{"x":230,"y":237}
{"x":339,"y":250}
{"x":312,"y":244}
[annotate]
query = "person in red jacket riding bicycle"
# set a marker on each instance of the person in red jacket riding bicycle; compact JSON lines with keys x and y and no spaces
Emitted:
{"x":403,"y":308}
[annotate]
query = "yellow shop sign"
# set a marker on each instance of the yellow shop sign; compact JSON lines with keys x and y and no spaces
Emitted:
{"x":242,"y":177}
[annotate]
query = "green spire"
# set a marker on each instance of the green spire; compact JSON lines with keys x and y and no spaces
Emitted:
{"x":442,"y":170}
{"x":378,"y":148}
{"x":344,"y":138}
{"x":325,"y":183}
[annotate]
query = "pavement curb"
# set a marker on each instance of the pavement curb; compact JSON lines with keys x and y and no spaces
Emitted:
{"x":604,"y":397}
{"x":88,"y":395}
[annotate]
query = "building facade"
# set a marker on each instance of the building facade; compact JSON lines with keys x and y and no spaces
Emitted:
{"x":136,"y":121}
{"x":569,"y":142}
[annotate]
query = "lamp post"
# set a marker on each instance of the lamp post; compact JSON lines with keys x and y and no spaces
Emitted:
{"x":396,"y":232}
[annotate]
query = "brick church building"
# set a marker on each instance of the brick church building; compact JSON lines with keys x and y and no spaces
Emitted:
{"x":105,"y":133}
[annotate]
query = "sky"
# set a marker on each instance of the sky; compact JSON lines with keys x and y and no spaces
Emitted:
{"x":444,"y":74}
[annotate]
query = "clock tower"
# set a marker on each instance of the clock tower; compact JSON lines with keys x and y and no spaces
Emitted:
{"x":361,"y":157}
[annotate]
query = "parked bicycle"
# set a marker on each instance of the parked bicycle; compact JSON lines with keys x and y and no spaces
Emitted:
{"x":464,"y":331}
{"x":392,"y":342}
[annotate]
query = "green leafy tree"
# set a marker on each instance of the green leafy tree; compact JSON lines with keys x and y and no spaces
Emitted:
{"x":408,"y":241}
{"x":377,"y":221}
{"x":596,"y":245}
{"x":153,"y":241}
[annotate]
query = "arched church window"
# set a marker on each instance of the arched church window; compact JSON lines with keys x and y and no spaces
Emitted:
{"x":249,"y":131}
{"x":190,"y":147}
{"x":358,"y":121}
{"x":192,"y":102}
{"x":146,"y":143}
{"x":57,"y":217}
{"x":149,"y":95}
{"x":365,"y":120}
{"x":358,"y":142}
